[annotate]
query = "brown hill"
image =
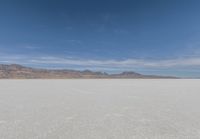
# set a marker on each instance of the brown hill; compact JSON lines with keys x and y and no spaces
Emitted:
{"x":15,"y":71}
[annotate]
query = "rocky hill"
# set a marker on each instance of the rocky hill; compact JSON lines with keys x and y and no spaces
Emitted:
{"x":15,"y":71}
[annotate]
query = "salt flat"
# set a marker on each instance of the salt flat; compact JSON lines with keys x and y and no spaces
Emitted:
{"x":100,"y":109}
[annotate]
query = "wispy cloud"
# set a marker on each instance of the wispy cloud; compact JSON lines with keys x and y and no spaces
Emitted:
{"x":103,"y":64}
{"x":129,"y":63}
{"x":73,"y":41}
{"x":31,"y":47}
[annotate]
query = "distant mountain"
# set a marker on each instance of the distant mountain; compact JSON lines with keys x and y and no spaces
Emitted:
{"x":15,"y":71}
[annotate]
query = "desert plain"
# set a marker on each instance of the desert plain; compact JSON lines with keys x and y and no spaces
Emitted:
{"x":100,"y":109}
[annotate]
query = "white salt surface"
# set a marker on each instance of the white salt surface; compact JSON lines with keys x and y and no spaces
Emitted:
{"x":100,"y":109}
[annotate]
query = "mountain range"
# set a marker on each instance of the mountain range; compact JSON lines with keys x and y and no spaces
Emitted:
{"x":15,"y":71}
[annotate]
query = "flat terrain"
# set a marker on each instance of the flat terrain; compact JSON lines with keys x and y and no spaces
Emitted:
{"x":100,"y":109}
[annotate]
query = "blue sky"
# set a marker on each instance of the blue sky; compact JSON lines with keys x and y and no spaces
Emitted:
{"x":148,"y":36}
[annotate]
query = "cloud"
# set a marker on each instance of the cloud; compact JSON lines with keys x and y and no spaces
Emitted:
{"x":122,"y":63}
{"x":73,"y":41}
{"x":31,"y":47}
{"x":102,"y":64}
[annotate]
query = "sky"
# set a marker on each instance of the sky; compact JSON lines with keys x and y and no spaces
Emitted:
{"x":159,"y":37}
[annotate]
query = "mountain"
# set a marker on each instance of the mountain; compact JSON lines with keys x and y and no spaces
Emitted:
{"x":15,"y":71}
